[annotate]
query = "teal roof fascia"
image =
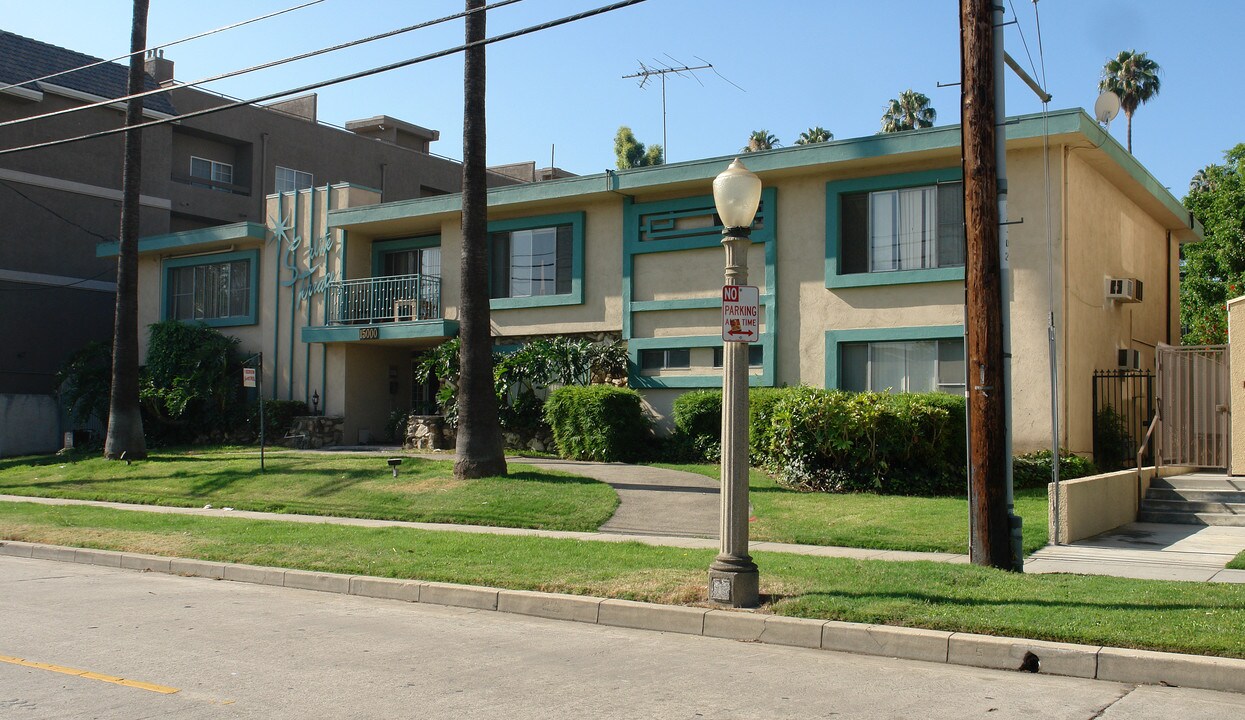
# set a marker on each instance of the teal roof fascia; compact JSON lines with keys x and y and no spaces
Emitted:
{"x":1021,"y":127}
{"x":188,"y":239}
{"x":1025,"y":126}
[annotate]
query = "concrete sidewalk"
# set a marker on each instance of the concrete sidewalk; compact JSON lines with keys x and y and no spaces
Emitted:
{"x":1149,"y":551}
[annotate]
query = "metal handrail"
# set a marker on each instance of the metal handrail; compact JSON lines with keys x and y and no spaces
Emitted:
{"x":398,"y":298}
{"x":1141,"y":451}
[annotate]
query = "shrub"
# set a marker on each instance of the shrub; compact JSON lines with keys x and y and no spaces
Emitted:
{"x":278,"y":417}
{"x":1113,"y":444}
{"x":834,"y":441}
{"x":86,"y":381}
{"x":697,"y":428}
{"x":761,"y":429}
{"x":1032,"y":470}
{"x":597,"y":422}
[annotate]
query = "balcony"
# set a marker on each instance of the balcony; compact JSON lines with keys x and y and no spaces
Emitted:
{"x":404,"y":308}
{"x":401,"y":298}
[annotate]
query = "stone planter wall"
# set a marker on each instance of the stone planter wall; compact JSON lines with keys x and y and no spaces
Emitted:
{"x":314,"y":431}
{"x":428,"y":432}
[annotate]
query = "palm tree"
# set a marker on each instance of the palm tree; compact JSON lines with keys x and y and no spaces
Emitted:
{"x":761,"y":140}
{"x":815,"y":135}
{"x":911,"y":111}
{"x":1135,"y":78}
{"x":125,"y":420}
{"x":479,"y":449}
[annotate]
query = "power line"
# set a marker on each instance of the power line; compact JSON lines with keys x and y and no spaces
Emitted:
{"x":60,"y":217}
{"x":254,"y":68}
{"x":97,"y":63}
{"x":1024,"y":42}
{"x":335,"y":81}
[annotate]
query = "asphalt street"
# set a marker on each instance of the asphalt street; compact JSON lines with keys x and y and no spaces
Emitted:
{"x":234,"y":650}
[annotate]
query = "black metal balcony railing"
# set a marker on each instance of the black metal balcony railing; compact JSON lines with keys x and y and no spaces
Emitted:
{"x":401,"y":298}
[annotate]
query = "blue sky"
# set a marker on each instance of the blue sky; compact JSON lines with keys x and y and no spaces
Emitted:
{"x":832,"y":63}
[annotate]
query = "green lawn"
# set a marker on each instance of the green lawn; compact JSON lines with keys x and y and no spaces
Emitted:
{"x":1204,"y":618}
{"x":889,"y":522}
{"x":1238,"y":562}
{"x":321,"y":484}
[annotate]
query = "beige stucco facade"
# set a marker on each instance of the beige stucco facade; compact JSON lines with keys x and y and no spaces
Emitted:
{"x":648,"y":270}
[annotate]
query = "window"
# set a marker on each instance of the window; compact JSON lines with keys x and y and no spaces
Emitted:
{"x":907,"y":229}
{"x":216,"y":172}
{"x":212,"y":291}
{"x":531,"y":263}
{"x":904,"y":366}
{"x":756,"y":356}
{"x":415,"y":261}
{"x":664,"y":359}
{"x":290,"y":180}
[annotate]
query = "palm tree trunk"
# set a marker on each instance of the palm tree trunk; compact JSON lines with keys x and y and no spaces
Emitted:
{"x":479,"y":450}
{"x":125,"y":420}
{"x":1129,"y":116}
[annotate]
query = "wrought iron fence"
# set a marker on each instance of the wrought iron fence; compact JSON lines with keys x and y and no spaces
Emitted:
{"x":1123,"y":407}
{"x":401,"y":298}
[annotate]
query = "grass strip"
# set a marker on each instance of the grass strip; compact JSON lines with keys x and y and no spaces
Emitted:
{"x":1238,"y":562}
{"x":321,"y":484}
{"x":1201,"y":618}
{"x":865,"y":520}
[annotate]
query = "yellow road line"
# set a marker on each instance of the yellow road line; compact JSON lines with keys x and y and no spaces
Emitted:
{"x":164,"y":690}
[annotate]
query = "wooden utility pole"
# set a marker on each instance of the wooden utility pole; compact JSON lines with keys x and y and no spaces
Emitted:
{"x":984,"y":280}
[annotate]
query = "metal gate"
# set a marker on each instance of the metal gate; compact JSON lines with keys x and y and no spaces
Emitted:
{"x":1194,"y":407}
{"x":1123,"y":404}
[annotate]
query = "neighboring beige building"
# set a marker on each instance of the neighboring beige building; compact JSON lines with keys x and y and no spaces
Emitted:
{"x":858,"y":253}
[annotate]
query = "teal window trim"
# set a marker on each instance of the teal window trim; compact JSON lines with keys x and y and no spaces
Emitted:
{"x":834,"y":192}
{"x":711,"y":237}
{"x":380,"y":247}
{"x":636,"y":379}
{"x":253,"y":300}
{"x":576,"y":295}
{"x":835,"y":338}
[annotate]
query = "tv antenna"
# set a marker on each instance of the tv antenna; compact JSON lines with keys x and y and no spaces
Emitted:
{"x":661,"y":69}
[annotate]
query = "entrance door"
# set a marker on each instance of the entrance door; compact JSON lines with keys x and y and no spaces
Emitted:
{"x":1194,"y":408}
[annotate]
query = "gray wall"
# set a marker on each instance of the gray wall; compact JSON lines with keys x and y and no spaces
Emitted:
{"x":30,"y":424}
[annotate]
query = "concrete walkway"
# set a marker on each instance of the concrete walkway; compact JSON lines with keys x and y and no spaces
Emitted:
{"x":1151,"y":551}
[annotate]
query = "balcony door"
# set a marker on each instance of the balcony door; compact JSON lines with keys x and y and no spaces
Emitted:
{"x":413,"y":261}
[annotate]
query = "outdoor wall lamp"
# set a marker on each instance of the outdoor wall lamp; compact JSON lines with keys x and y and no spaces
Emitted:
{"x":315,"y":402}
{"x":733,"y":577}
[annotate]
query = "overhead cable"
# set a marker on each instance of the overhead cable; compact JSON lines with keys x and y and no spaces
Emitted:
{"x":126,"y":56}
{"x":253,"y":68}
{"x":334,"y":81}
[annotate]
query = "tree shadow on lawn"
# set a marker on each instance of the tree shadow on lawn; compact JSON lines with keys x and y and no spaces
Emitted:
{"x":933,"y":599}
{"x":539,"y":477}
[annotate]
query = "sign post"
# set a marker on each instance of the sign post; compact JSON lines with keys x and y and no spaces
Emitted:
{"x":254,"y":377}
{"x":741,"y":313}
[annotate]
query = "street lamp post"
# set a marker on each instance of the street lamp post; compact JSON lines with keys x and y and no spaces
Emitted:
{"x":733,"y":577}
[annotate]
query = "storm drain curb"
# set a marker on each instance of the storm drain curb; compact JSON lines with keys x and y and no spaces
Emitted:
{"x":984,"y":651}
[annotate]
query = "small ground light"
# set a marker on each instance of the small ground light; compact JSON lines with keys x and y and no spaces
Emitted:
{"x":394,"y":463}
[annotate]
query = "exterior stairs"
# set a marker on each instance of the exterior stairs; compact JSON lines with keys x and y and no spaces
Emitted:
{"x":1196,"y":499}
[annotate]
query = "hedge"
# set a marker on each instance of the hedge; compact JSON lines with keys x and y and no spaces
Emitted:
{"x":598,"y":422}
{"x":835,"y":441}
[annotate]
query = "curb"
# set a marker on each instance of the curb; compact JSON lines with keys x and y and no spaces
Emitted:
{"x":983,"y":651}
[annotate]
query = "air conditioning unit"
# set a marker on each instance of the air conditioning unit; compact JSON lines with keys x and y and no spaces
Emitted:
{"x":1124,"y":289}
{"x":1128,"y":359}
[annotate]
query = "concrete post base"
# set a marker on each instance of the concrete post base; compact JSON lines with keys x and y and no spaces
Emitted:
{"x":735,"y":588}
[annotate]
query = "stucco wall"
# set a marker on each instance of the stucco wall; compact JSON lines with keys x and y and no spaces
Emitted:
{"x":1093,"y":505}
{"x":28,"y":424}
{"x":1108,"y":236}
{"x":1236,"y":383}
